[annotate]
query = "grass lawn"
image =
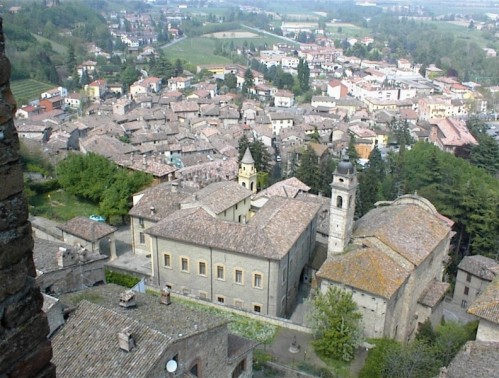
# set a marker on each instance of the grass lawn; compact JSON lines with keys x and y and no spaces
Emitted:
{"x":28,"y":89}
{"x":61,"y":206}
{"x":195,"y":51}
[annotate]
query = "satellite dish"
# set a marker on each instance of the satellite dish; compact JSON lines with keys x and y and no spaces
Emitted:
{"x":171,"y":366}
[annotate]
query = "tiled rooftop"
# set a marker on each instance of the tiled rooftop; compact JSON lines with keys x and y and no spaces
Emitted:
{"x":366,"y":269}
{"x":486,"y":306}
{"x":434,"y":293}
{"x":88,"y":345}
{"x":476,"y":359}
{"x":270,"y":233}
{"x":45,"y":254}
{"x":408,"y":229}
{"x":219,"y":196}
{"x":164,"y":200}
{"x":87,"y":229}
{"x":480,"y":266}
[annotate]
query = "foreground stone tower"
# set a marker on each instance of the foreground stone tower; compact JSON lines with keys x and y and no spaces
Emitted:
{"x":25,"y":350}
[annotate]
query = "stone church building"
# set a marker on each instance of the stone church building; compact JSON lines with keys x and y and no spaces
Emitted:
{"x":392,"y":259}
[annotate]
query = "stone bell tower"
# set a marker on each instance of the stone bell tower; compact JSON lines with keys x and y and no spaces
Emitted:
{"x":25,"y":350}
{"x":342,"y":208}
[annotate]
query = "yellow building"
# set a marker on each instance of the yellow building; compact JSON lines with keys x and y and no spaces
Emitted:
{"x":247,"y":172}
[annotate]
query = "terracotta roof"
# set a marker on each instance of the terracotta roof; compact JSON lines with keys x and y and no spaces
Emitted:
{"x":366,"y":268}
{"x":270,"y":233}
{"x":409,"y":230}
{"x":434,"y":293}
{"x":480,"y":266}
{"x":87,"y":229}
{"x":486,"y":306}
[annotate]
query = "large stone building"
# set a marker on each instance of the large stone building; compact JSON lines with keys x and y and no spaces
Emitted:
{"x":215,"y":245}
{"x":138,"y":335}
{"x":393,"y":263}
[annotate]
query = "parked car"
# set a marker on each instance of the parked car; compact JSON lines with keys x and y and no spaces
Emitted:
{"x":97,"y":218}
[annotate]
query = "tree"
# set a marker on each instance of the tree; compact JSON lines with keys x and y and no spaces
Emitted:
{"x":258,"y":150}
{"x":162,"y":68}
{"x":308,"y":170}
{"x":71,"y":62}
{"x":303,"y":75}
{"x":336,"y":324}
{"x":86,"y":176}
{"x":129,"y":75}
{"x":353,"y":155}
{"x":248,"y":80}
{"x":230,"y":81}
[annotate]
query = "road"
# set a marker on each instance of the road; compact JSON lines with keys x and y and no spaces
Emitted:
{"x":173,"y":42}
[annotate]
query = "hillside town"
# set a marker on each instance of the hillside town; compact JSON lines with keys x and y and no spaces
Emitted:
{"x":221,"y":227}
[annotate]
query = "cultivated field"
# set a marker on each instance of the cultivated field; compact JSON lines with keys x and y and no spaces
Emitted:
{"x":28,"y":89}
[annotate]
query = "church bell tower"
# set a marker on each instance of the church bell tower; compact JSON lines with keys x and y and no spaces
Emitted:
{"x":247,"y":172}
{"x":342,"y":208}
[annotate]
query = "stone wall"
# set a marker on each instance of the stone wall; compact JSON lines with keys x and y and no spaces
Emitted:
{"x":25,"y":350}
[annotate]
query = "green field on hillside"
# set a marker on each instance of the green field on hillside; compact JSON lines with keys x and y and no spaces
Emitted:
{"x":199,"y":50}
{"x":28,"y":89}
{"x":57,"y":47}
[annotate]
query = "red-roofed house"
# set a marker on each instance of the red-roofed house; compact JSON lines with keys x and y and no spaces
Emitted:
{"x":336,"y":89}
{"x":450,"y":133}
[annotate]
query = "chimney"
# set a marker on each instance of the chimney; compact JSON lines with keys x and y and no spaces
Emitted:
{"x":165,"y":296}
{"x":65,"y":257}
{"x":126,"y":341}
{"x":153,"y":210}
{"x":127,"y":299}
{"x":174,"y":187}
{"x":144,"y":161}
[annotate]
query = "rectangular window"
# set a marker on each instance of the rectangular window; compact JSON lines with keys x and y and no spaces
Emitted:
{"x":257,"y":308}
{"x":238,"y":303}
{"x":141,"y":222}
{"x":466,"y":290}
{"x":468,"y":277}
{"x":257,"y":280}
{"x":220,"y":272}
{"x":202,"y":268}
{"x":167,"y":260}
{"x":142,"y":238}
{"x":238,"y":276}
{"x":184,"y":264}
{"x":284,"y":275}
{"x":220,"y":299}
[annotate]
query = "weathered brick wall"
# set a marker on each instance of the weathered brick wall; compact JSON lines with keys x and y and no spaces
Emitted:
{"x":25,"y":350}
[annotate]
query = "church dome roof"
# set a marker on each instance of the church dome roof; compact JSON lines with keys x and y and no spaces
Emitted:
{"x":345,"y":167}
